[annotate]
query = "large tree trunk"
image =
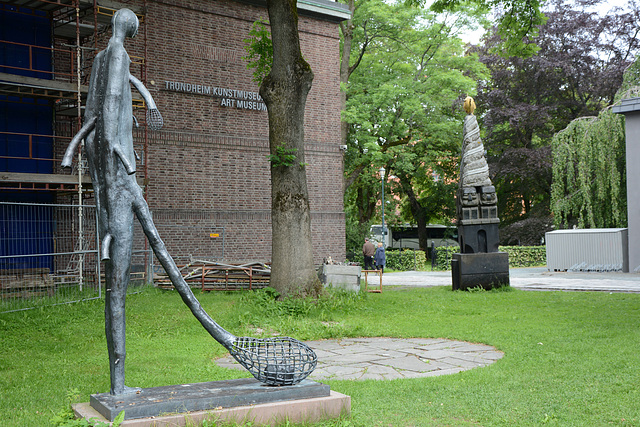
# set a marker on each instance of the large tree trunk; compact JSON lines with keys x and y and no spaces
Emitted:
{"x":284,"y":91}
{"x":420,"y":214}
{"x":366,"y":204}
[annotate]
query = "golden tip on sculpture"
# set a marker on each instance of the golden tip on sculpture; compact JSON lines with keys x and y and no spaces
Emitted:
{"x":469,"y":105}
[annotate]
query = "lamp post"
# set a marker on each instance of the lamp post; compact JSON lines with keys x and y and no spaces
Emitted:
{"x":384,"y":242}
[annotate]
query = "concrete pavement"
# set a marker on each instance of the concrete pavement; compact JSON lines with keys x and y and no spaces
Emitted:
{"x":529,"y":278}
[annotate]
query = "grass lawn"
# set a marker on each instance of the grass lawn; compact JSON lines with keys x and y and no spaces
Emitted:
{"x":570,"y":358}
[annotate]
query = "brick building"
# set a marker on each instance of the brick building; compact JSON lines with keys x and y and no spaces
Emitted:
{"x":205,"y":173}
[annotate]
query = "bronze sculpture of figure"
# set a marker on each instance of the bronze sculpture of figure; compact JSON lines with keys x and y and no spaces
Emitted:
{"x":109,"y":148}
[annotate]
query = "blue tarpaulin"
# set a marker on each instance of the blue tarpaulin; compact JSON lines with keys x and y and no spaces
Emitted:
{"x":25,"y":229}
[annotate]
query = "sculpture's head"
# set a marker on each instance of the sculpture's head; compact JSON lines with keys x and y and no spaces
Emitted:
{"x":469,"y":105}
{"x":125,"y":21}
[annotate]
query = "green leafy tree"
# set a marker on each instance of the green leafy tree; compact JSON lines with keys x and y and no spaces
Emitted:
{"x":402,"y":112}
{"x":575,"y":73}
{"x":518,"y":22}
{"x":259,"y":48}
{"x":589,"y":166}
{"x":588,"y":173}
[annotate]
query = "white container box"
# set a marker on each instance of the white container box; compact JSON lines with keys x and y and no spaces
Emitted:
{"x":591,"y":249}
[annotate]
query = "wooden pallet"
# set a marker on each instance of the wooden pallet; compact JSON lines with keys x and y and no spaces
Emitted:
{"x":26,"y":283}
{"x":213,"y":276}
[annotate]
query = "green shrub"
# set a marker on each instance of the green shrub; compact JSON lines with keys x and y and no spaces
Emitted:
{"x":406,"y":260}
{"x":444,"y":255}
{"x":67,"y":417}
{"x":526,"y":256}
{"x":266,"y":302}
{"x":519,"y":256}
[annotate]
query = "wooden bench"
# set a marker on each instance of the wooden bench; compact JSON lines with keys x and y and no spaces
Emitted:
{"x":366,"y":282}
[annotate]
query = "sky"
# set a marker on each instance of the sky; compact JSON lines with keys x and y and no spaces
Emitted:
{"x":473,"y":37}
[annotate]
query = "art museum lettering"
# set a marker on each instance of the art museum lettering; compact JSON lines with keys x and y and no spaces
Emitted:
{"x":233,"y":98}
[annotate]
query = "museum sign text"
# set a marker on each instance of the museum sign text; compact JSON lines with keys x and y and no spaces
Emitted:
{"x":233,"y":98}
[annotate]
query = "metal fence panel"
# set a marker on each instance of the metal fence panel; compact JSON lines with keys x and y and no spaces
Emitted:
{"x":49,"y":255}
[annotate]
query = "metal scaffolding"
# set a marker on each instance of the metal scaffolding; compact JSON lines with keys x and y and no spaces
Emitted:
{"x":78,"y":30}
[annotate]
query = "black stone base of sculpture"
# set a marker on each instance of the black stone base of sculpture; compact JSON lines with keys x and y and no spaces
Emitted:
{"x":151,"y":402}
{"x":484,"y":270}
{"x":478,"y":238}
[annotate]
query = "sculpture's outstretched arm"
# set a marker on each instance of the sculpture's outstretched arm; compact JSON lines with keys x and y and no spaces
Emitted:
{"x":82,"y":133}
{"x":154,"y":118}
{"x":148,"y":99}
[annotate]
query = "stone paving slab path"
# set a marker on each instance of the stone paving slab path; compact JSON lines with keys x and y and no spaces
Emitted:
{"x":530,"y":279}
{"x":392,"y":358}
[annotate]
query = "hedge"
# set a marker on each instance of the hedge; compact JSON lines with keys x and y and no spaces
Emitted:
{"x":406,"y":260}
{"x":526,"y":256}
{"x":519,"y":256}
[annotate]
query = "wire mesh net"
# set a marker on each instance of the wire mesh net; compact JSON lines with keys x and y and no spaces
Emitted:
{"x":154,"y":119}
{"x":275,"y":361}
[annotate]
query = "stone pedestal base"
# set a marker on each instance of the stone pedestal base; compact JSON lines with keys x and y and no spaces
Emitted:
{"x":296,"y":411}
{"x":345,"y":277}
{"x":485,"y":270}
{"x":478,"y":238}
{"x":151,"y":402}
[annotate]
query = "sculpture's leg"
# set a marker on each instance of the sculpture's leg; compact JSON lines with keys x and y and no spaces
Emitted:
{"x":117,"y":279}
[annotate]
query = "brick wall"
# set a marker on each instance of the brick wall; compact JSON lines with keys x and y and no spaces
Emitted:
{"x":207,"y":167}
